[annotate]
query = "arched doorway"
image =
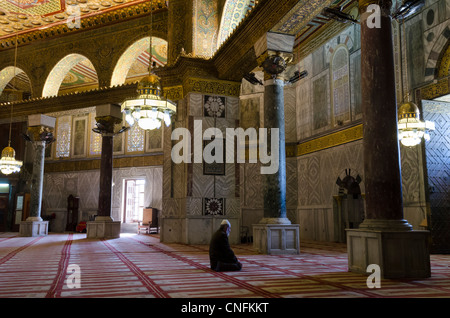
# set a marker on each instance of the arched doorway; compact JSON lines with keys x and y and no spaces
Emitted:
{"x":348,"y":204}
{"x":435,"y":107}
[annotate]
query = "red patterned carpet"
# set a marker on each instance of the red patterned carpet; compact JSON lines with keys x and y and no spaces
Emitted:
{"x":137,"y":266}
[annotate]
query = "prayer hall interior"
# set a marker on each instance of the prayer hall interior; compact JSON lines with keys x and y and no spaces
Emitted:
{"x":130,"y":129}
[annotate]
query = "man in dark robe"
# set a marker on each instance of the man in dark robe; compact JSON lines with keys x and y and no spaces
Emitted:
{"x":221,"y":255}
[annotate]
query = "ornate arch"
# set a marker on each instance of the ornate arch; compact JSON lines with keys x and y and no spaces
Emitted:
{"x":433,"y":69}
{"x":443,"y":68}
{"x":139,"y":50}
{"x":441,"y":72}
{"x":233,"y":13}
{"x":8,"y":73}
{"x":60,"y":71}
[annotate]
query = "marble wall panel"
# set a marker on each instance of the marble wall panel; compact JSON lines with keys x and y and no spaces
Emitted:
{"x":290,"y":105}
{"x":85,"y":185}
{"x":321,"y":102}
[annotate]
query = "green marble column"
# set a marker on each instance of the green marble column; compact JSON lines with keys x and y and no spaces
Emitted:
{"x":37,"y":181}
{"x":275,"y":183}
{"x":40,"y":131}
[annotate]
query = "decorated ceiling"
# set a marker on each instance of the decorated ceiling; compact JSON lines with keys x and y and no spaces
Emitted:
{"x":19,"y":16}
{"x":22,"y":16}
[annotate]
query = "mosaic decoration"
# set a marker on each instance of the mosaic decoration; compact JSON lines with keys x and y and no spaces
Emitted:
{"x":34,"y":7}
{"x":59,"y":72}
{"x":81,"y":74}
{"x":205,"y":30}
{"x":233,"y":13}
{"x":32,"y":15}
{"x":134,"y":61}
{"x":213,"y":206}
{"x":214,"y":106}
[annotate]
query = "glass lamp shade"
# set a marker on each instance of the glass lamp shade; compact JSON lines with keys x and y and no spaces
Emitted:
{"x":411,"y":129}
{"x":8,"y":163}
{"x":149,"y":108}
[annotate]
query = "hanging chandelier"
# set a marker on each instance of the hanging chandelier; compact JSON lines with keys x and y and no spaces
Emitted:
{"x":411,"y":129}
{"x":149,"y":108}
{"x":8,"y":162}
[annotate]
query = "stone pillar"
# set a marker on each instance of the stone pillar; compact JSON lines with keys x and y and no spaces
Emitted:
{"x":104,"y":226}
{"x":384,"y":238}
{"x":40,"y":131}
{"x":275,"y":234}
{"x":106,"y":168}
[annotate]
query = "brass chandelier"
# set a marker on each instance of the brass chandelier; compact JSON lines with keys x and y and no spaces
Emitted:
{"x":411,"y":129}
{"x":149,"y":108}
{"x":8,"y":162}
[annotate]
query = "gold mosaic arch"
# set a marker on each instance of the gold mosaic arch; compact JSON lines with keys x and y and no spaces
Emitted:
{"x":444,"y":63}
{"x":7,"y":74}
{"x":441,"y":86}
{"x":134,"y":51}
{"x":59,"y":72}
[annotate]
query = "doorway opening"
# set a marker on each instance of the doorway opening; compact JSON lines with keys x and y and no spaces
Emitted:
{"x":134,"y":194}
{"x":437,"y":154}
{"x":348,"y":205}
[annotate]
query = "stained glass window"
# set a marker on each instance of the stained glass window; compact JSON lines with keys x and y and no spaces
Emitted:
{"x":63,"y":136}
{"x":95,"y":143}
{"x":135,"y":139}
{"x":341,"y":85}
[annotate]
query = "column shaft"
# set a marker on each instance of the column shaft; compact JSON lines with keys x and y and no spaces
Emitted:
{"x":37,"y":181}
{"x":383,"y":185}
{"x":275,"y":184}
{"x":106,"y":168}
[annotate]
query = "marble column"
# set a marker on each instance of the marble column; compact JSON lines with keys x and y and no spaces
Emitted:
{"x":384,"y":238}
{"x":40,"y":131}
{"x":37,"y":179}
{"x":275,"y":234}
{"x":106,"y":169}
{"x":275,"y":183}
{"x":107,"y":116}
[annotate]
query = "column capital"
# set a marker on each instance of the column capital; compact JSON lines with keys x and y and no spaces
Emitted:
{"x":274,"y":53}
{"x":107,"y":123}
{"x":107,"y":116}
{"x":40,"y":127}
{"x":40,"y":133}
{"x":274,"y":63}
